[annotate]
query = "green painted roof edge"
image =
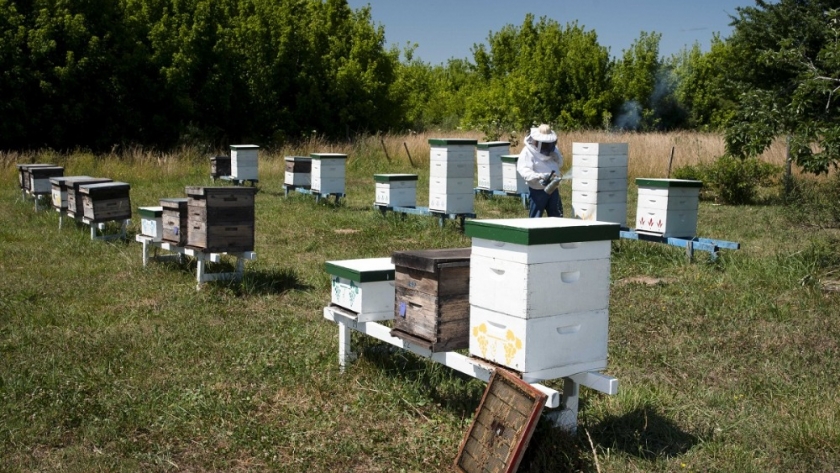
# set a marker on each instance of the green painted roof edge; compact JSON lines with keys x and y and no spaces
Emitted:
{"x":152,"y":211}
{"x":452,"y":141}
{"x":327,"y":156}
{"x":666,"y":183}
{"x":357,"y":276}
{"x":494,"y":144}
{"x":509,"y":158}
{"x":394,"y":177}
{"x":542,"y":236}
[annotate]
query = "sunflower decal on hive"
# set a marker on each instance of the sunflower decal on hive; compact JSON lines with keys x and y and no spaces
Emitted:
{"x":510,"y":344}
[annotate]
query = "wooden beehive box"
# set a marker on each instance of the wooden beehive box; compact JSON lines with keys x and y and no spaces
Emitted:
{"x":511,"y":180}
{"x":151,"y":222}
{"x":244,"y":162}
{"x":39,"y":179}
{"x":396,"y":190}
{"x":432,"y":298}
{"x":668,"y":207}
{"x":75,"y":202}
{"x":175,"y":220}
{"x":106,"y":201}
{"x":488,"y":159}
{"x":23,"y":173}
{"x":364,"y":286}
{"x":219,"y":166}
{"x":59,"y":190}
{"x":298,"y":171}
{"x":221,"y":219}
{"x":502,"y":427}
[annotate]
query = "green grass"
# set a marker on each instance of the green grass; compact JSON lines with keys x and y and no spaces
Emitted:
{"x":726,"y":365}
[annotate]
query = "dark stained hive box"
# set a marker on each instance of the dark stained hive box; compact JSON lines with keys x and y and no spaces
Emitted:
{"x":431,"y":306}
{"x":106,"y":201}
{"x":175,"y":220}
{"x":39,"y":178}
{"x":23,"y":173}
{"x":219,"y":166}
{"x":221,"y":219}
{"x":59,"y":190}
{"x":75,"y":204}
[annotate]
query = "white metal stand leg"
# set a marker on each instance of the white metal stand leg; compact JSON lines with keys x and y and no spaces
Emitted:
{"x":200,"y":269}
{"x":345,"y":352}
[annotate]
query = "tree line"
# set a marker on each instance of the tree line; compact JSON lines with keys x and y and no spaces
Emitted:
{"x":100,"y":73}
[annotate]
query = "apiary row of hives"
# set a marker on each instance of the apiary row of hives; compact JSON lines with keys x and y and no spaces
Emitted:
{"x":531,"y":295}
{"x":323,"y":173}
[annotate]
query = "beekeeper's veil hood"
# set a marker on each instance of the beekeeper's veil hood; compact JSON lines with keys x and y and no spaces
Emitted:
{"x":543,"y":139}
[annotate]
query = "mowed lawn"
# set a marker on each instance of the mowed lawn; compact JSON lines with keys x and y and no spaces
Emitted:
{"x":724,"y":365}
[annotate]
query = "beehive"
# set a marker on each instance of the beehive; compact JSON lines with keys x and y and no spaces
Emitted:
{"x":221,"y":219}
{"x":328,"y":172}
{"x":511,"y":180}
{"x":489,"y":164}
{"x":539,"y":292}
{"x":396,"y":190}
{"x":668,"y":207}
{"x":599,"y":181}
{"x":151,"y":222}
{"x":451,"y":175}
{"x":298,"y":171}
{"x":432,"y":298}
{"x":75,"y":202}
{"x":363,"y":286}
{"x":58,"y":187}
{"x":23,"y":173}
{"x":39,"y":178}
{"x":175,"y":220}
{"x":220,"y":166}
{"x":106,"y":201}
{"x":244,"y":162}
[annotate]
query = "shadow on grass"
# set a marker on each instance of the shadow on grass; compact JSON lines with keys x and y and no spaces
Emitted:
{"x":254,"y":282}
{"x":643,"y":433}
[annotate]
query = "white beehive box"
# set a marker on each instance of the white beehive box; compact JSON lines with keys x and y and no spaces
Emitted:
{"x":452,"y":203}
{"x":328,"y":172}
{"x":396,"y":190}
{"x":151,"y":222}
{"x":600,"y":185}
{"x":244,"y":162}
{"x":600,"y":149}
{"x":606,"y":197}
{"x":596,"y":173}
{"x":616,"y":212}
{"x":451,"y":185}
{"x":298,"y":171}
{"x":363,"y":286}
{"x":511,"y":180}
{"x":553,"y":346}
{"x":595,"y":161}
{"x":452,"y":158}
{"x":668,"y":207}
{"x":451,"y":169}
{"x":489,"y":164}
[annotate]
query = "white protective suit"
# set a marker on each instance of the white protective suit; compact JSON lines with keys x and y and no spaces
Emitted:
{"x":532,"y":165}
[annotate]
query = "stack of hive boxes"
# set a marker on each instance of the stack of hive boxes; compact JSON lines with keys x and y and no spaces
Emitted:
{"x":668,"y":207}
{"x":75,"y":202}
{"x":175,"y":220}
{"x":431,"y":305}
{"x":451,"y":175}
{"x":328,"y":172}
{"x":39,"y":178}
{"x":298,"y":172}
{"x":599,"y":181}
{"x":539,"y":294}
{"x":489,"y":163}
{"x":511,"y":180}
{"x":23,"y":174}
{"x":221,"y":219}
{"x":105,"y":201}
{"x":363,"y":286}
{"x":396,"y":190}
{"x":59,"y":190}
{"x":244,"y":162}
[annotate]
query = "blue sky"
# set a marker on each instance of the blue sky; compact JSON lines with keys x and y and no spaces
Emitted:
{"x":445,"y":29}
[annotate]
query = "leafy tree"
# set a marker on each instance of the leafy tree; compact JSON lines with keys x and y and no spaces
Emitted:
{"x":701,"y":85}
{"x":638,"y":79}
{"x":786,"y":68}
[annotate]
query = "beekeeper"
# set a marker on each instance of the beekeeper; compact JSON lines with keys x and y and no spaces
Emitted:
{"x":538,"y":159}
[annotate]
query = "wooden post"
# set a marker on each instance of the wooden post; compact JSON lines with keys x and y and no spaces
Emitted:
{"x":409,"y":154}
{"x":382,"y":141}
{"x":788,"y":171}
{"x":671,"y":161}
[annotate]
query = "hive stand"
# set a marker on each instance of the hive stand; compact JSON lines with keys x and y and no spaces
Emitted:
{"x":308,"y":191}
{"x":37,"y":198}
{"x":491,"y":193}
{"x":565,"y":418}
{"x":691,"y":244}
{"x":201,"y":257}
{"x":97,"y":229}
{"x":442,"y":216}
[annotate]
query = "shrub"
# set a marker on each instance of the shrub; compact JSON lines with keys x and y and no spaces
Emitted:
{"x":733,"y":180}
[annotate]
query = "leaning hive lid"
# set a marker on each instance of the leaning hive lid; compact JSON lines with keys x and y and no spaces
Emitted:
{"x":502,"y":427}
{"x":541,"y":231}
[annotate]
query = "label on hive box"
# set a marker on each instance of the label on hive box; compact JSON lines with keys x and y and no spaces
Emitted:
{"x":152,"y":227}
{"x":668,"y":223}
{"x":539,"y":344}
{"x":452,"y":203}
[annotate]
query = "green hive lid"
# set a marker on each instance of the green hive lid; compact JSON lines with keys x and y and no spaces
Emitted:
{"x":509,"y":158}
{"x":493,"y":144}
{"x":666,"y":183}
{"x":328,"y":156}
{"x":394,"y":177}
{"x":451,"y":141}
{"x":541,"y":231}
{"x":362,"y":270}
{"x":244,"y":147}
{"x":150,"y":212}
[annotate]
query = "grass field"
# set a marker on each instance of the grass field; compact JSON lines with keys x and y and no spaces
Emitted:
{"x":725,"y":365}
